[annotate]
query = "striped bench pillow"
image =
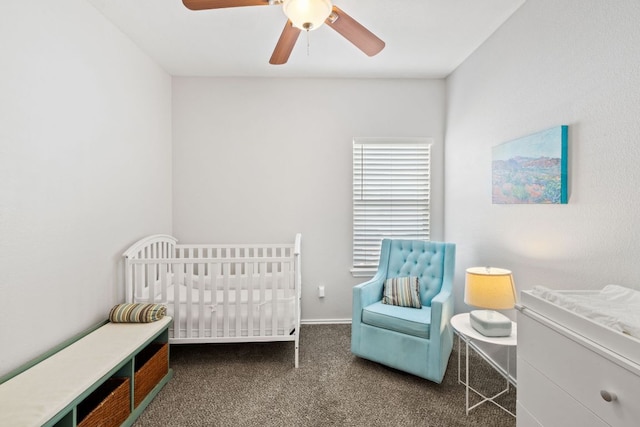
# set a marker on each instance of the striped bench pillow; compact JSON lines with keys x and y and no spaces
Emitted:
{"x":137,"y":313}
{"x":402,"y":291}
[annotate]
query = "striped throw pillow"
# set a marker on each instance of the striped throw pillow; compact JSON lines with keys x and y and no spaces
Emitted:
{"x":137,"y":313}
{"x":402,"y":291}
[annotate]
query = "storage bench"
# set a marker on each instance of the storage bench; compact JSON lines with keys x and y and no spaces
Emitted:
{"x":110,"y":375}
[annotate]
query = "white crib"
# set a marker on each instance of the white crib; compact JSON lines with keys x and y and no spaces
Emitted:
{"x":219,"y":293}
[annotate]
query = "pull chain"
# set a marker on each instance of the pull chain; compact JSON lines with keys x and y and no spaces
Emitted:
{"x":307,"y":26}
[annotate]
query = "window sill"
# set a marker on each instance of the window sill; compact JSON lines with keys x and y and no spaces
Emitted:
{"x":364,"y":271}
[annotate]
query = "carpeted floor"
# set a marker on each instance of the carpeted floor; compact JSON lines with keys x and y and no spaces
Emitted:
{"x":256,"y":384}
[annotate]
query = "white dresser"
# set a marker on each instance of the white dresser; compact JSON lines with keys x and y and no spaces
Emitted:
{"x":572,"y":371}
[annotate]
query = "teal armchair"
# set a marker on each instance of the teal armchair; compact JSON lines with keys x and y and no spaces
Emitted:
{"x":413,"y":340}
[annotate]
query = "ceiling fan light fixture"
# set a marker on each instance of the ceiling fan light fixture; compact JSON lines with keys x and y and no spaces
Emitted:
{"x":307,"y":14}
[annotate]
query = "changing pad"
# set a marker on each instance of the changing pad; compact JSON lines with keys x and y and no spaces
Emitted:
{"x":614,"y":306}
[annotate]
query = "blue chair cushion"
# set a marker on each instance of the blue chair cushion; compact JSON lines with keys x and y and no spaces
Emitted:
{"x":405,"y":320}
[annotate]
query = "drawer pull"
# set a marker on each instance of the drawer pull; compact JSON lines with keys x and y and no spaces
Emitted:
{"x":608,"y":396}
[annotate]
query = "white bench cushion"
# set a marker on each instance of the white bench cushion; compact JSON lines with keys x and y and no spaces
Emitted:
{"x":36,"y":395}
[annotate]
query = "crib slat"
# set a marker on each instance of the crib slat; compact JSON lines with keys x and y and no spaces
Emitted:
{"x":274,"y":298}
{"x":143,"y":273}
{"x":263,"y":280}
{"x":201,"y":288}
{"x":239,"y":286}
{"x":164,"y":275}
{"x":138,"y":284}
{"x":189,"y":299}
{"x":250,"y":296}
{"x":225,"y":299}
{"x":286,"y":277}
{"x":149,"y":277}
{"x":177,"y":321}
{"x":215,"y":285}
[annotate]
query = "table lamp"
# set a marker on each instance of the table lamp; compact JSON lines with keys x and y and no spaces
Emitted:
{"x":493,"y":289}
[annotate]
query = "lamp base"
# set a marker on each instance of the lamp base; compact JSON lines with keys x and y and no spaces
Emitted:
{"x":490,"y":323}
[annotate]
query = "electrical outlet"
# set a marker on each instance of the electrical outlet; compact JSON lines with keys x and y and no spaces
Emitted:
{"x":321,"y":291}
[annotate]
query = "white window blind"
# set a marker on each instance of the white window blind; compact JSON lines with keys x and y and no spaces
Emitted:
{"x":391,"y":184}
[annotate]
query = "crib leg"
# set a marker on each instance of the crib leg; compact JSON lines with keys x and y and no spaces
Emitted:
{"x":296,"y":341}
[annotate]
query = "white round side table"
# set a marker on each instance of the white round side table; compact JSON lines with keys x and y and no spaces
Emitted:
{"x":462,"y":327}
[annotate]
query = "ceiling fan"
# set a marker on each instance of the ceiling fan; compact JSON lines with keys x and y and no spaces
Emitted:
{"x":303,"y":15}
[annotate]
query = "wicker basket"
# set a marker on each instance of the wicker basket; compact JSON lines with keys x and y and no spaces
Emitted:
{"x":109,"y":405}
{"x":151,"y":365}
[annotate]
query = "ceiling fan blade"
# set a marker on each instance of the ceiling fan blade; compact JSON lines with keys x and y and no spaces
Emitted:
{"x":353,"y":31}
{"x":285,"y":45}
{"x":221,"y":4}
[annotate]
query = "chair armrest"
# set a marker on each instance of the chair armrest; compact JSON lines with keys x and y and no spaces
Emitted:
{"x":368,"y":292}
{"x":441,"y":310}
{"x":364,"y":294}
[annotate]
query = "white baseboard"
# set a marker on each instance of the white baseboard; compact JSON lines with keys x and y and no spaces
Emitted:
{"x":325,"y":321}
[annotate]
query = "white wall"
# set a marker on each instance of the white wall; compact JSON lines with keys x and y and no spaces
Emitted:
{"x":85,"y":169}
{"x":257,"y":160}
{"x":573,"y":62}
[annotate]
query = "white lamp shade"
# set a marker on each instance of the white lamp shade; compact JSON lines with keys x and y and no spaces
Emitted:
{"x":488,"y":287}
{"x":307,"y":14}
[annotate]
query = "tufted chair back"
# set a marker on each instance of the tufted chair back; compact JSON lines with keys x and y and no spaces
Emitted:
{"x":417,"y":258}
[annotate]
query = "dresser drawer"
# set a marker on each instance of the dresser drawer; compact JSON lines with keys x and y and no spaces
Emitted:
{"x":578,"y":370}
{"x":547,"y":404}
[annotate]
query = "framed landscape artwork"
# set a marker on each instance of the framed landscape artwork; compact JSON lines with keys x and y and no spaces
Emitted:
{"x":531,"y":169}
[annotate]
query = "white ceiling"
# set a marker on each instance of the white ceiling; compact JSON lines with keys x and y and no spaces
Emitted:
{"x":424,"y":38}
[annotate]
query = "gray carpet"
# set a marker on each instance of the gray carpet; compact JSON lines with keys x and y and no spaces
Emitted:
{"x":255,"y":384}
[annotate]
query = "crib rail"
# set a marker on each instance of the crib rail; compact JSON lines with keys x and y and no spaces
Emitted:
{"x":234,"y":251}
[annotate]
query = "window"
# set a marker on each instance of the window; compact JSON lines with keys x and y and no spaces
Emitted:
{"x":391,"y":183}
